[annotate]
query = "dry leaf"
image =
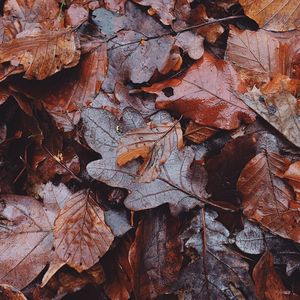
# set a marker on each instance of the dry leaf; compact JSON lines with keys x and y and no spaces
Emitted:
{"x":8,"y":292}
{"x":198,"y":133}
{"x":293,"y":176}
{"x":81,"y":235}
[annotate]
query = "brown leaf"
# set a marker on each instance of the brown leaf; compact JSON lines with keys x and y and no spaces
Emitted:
{"x":26,"y":239}
{"x":268,"y":284}
{"x":198,"y":133}
{"x":280,"y":110}
{"x":155,"y":254}
{"x":8,"y":292}
{"x":274,"y":15}
{"x":266,"y":198}
{"x":293,"y":176}
{"x":153,"y":143}
{"x":260,"y":55}
{"x":205,"y":94}
{"x":75,"y":15}
{"x":81,"y":235}
{"x":41,"y":53}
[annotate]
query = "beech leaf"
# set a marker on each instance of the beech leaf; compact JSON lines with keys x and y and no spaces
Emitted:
{"x":266,"y":198}
{"x":81,"y":235}
{"x":206,"y":99}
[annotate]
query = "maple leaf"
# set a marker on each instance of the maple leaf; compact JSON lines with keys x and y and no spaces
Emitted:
{"x":207,"y":100}
{"x":217,"y":272}
{"x":157,"y":236}
{"x":266,"y":198}
{"x":26,"y":239}
{"x":280,"y":110}
{"x":153,"y":143}
{"x":81,"y":235}
{"x":274,"y":15}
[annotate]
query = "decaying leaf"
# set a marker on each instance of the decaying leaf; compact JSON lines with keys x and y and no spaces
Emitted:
{"x":268,"y":284}
{"x":218,"y":273}
{"x":280,"y":110}
{"x":26,"y":239}
{"x":198,"y":133}
{"x":266,"y":198}
{"x":41,"y":53}
{"x":155,"y":255}
{"x":153,"y":143}
{"x":292,"y":174}
{"x":8,"y":292}
{"x":205,"y":94}
{"x":81,"y":235}
{"x":275,"y":15}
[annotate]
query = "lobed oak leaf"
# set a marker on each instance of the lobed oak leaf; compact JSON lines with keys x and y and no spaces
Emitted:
{"x":153,"y":143}
{"x":205,"y":94}
{"x":292,"y":174}
{"x":155,"y":255}
{"x":280,"y":110}
{"x":266,"y":198}
{"x":26,"y":239}
{"x":40,"y":53}
{"x":81,"y":236}
{"x":274,"y":15}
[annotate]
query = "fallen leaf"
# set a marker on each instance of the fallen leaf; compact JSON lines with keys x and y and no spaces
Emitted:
{"x":217,"y":274}
{"x":207,"y":100}
{"x":280,"y":110}
{"x":153,"y":143}
{"x":8,"y":292}
{"x":273,"y":15}
{"x":198,"y":133}
{"x":118,"y":222}
{"x":292,"y":174}
{"x":26,"y":239}
{"x":155,"y":255}
{"x":81,"y":236}
{"x":268,"y":284}
{"x":41,"y":53}
{"x":266,"y":198}
{"x":76,"y":15}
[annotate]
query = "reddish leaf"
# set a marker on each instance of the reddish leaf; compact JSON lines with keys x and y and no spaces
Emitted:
{"x":273,"y":15}
{"x":26,"y":239}
{"x":8,"y":292}
{"x":268,"y":284}
{"x":266,"y":198}
{"x":155,"y":255}
{"x":293,"y":176}
{"x":81,"y":235}
{"x":41,"y":54}
{"x":76,"y":15}
{"x":207,"y":100}
{"x":198,"y":133}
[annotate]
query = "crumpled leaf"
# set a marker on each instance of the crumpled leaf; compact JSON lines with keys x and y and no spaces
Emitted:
{"x":253,"y":240}
{"x":261,"y":55}
{"x":293,"y":176}
{"x":220,"y":274}
{"x":155,"y":255}
{"x":274,"y":15}
{"x":41,"y":53}
{"x":153,"y":143}
{"x":268,"y":284}
{"x":81,"y":235}
{"x":205,"y":94}
{"x":8,"y":292}
{"x":280,"y":110}
{"x":266,"y":198}
{"x":26,"y":239}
